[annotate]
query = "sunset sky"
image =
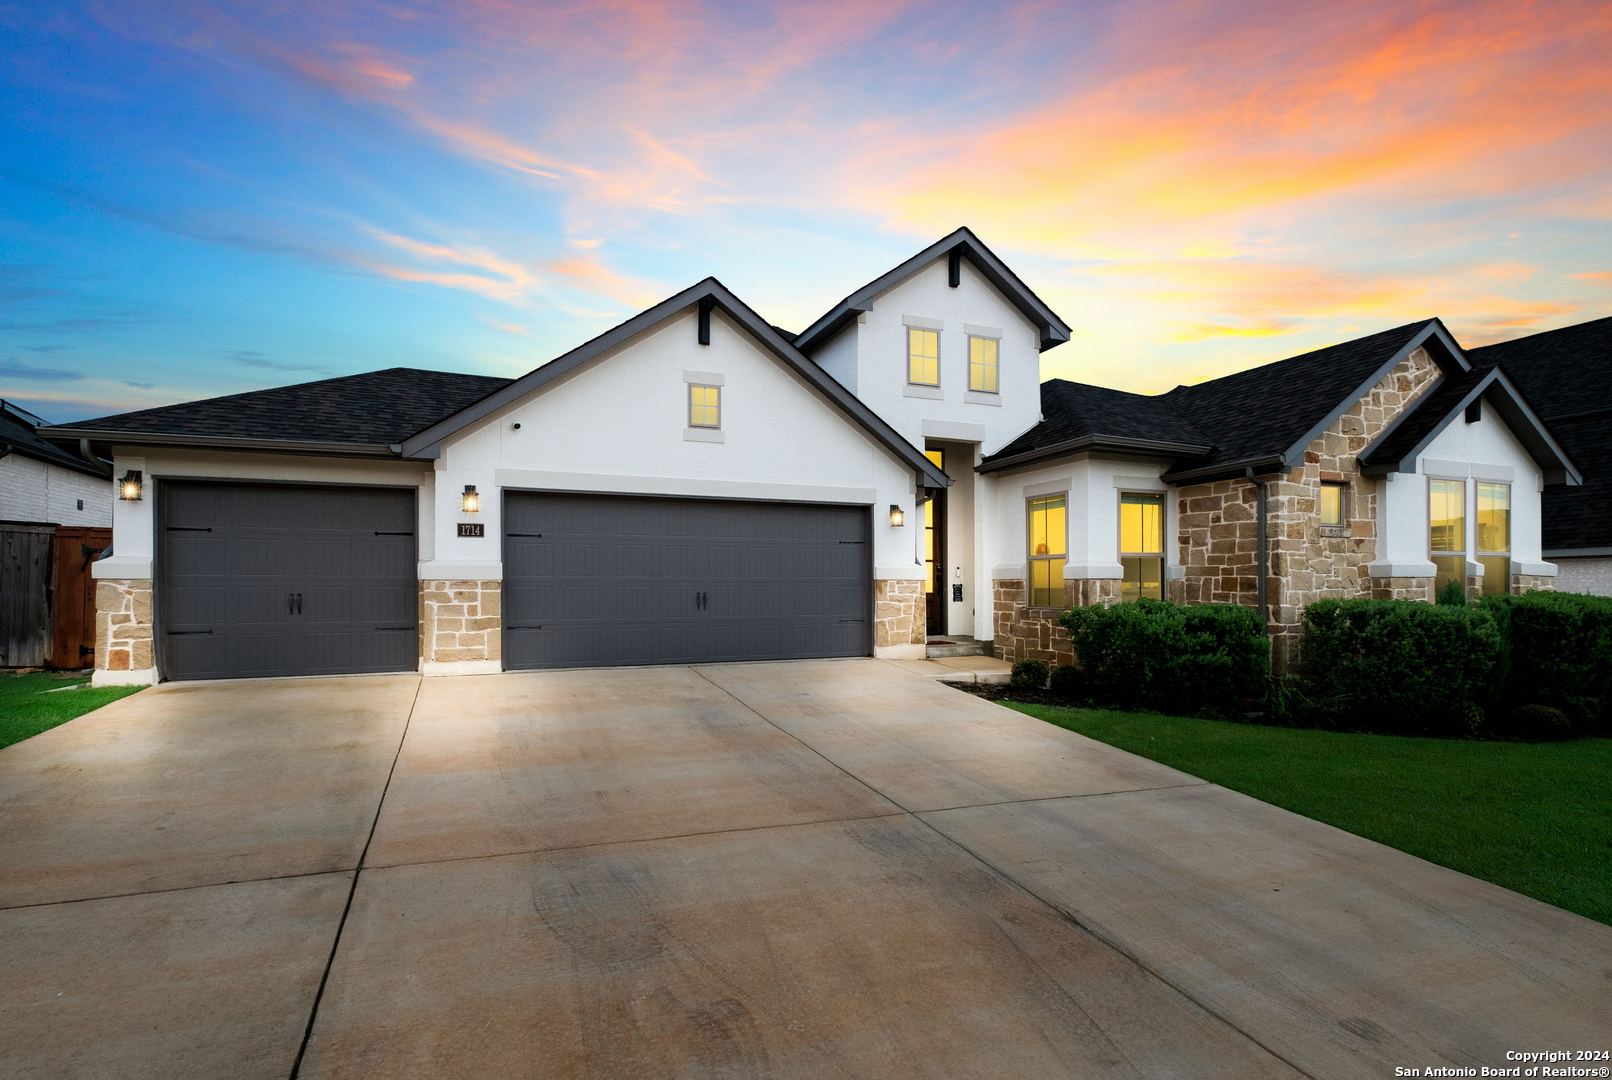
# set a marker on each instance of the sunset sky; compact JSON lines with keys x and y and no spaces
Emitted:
{"x":201,"y":199}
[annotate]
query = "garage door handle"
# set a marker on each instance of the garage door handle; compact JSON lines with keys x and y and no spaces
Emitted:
{"x":299,"y":603}
{"x":701,"y":601}
{"x":293,"y":603}
{"x":182,"y":633}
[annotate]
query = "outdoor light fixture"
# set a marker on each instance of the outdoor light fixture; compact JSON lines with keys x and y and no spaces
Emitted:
{"x":129,"y":486}
{"x":472,"y":501}
{"x":897,"y":518}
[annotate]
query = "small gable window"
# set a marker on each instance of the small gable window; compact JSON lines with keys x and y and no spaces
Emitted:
{"x":982,"y":364}
{"x":704,"y":406}
{"x":923,"y":356}
{"x":1049,"y":538}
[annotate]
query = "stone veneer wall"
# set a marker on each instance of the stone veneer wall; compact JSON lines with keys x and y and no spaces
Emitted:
{"x":898,"y":613}
{"x":123,"y":625}
{"x":1025,"y":633}
{"x":461,"y":620}
{"x":1521,"y":583}
{"x":1219,"y":538}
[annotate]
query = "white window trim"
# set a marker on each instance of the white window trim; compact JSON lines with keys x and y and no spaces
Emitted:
{"x":997,"y":393}
{"x":907,"y":360}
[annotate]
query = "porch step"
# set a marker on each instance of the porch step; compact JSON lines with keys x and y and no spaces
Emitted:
{"x":955,"y":645}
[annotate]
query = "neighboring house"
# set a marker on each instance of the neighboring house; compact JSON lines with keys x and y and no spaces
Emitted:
{"x":55,"y":517}
{"x":698,"y":485}
{"x":45,"y":483}
{"x":1565,"y":374}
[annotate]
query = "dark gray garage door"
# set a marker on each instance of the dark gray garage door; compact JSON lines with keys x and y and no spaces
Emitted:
{"x":260,"y":579}
{"x":598,"y":580}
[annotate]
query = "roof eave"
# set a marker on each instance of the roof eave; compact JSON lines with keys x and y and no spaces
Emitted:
{"x":1095,"y":443}
{"x":214,"y":442}
{"x":1230,"y":470}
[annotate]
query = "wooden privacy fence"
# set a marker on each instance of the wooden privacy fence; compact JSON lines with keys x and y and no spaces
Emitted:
{"x":47,"y":597}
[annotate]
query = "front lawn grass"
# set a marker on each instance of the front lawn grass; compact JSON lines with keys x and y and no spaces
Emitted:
{"x":26,"y":709}
{"x":1533,"y":817}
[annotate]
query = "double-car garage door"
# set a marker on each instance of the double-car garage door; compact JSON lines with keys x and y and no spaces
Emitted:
{"x":264,"y":580}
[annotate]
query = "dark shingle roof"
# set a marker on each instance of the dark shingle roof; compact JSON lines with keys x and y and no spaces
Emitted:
{"x":1254,"y":415}
{"x":378,"y":408}
{"x":1566,"y":375}
{"x":1427,"y":412}
{"x":17,"y":436}
{"x":1076,"y":411}
{"x":1264,"y":411}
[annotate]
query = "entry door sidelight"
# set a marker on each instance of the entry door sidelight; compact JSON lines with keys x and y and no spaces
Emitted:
{"x":935,"y":598}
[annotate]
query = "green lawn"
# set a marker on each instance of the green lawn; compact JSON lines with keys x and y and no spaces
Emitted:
{"x":26,"y":708}
{"x":1534,"y":817}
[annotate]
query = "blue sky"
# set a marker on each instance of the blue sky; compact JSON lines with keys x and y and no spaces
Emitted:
{"x":201,"y":199}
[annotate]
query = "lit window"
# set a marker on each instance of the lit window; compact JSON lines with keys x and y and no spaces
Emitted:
{"x":1141,"y":545}
{"x":931,"y":581}
{"x":1049,"y":533}
{"x":704,"y":406}
{"x":1330,"y":504}
{"x":982,"y":364}
{"x":923,"y":356}
{"x":1494,"y":536}
{"x":1446,"y":506}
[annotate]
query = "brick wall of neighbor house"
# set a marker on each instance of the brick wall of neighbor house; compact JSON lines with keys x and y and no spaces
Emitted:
{"x":1024,"y":633}
{"x":1582,"y":574}
{"x":1219,"y":527}
{"x":898,"y":613}
{"x":461,"y":620}
{"x":123,"y":625}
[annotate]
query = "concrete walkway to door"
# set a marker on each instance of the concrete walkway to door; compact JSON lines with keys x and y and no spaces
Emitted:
{"x":810,"y":869}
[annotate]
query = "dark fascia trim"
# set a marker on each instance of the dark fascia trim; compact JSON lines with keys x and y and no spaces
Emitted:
{"x":713,"y":290}
{"x":1095,"y":443}
{"x":1577,"y":553}
{"x":1513,"y":408}
{"x":1053,"y":330}
{"x":1230,"y":470}
{"x":215,"y":442}
{"x":1441,"y":347}
{"x":65,"y":461}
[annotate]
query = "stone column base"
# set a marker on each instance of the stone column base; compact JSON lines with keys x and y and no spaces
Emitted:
{"x":461,"y":627}
{"x":123,"y":644}
{"x":899,"y":621}
{"x":1526,"y":583}
{"x":1087,"y":592}
{"x":1402,"y":588}
{"x":1025,"y":633}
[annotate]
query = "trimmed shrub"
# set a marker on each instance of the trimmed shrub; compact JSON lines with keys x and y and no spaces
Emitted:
{"x":1151,"y":654}
{"x":1401,"y":666}
{"x":1538,"y":722}
{"x":1452,"y":593}
{"x":1068,"y":682}
{"x":1556,"y":650}
{"x":1029,"y":675}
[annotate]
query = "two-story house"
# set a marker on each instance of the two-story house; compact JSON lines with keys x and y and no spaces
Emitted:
{"x":699,"y":485}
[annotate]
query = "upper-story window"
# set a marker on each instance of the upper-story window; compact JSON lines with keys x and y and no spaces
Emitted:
{"x":1446,"y":513}
{"x":923,"y":356}
{"x":1049,"y":539}
{"x":1494,"y":536}
{"x":982,"y":364}
{"x":1141,"y":545}
{"x":704,"y":406}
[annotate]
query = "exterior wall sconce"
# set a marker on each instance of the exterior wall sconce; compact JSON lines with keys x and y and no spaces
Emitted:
{"x":897,"y":518}
{"x":472,"y":501}
{"x":129,"y":486}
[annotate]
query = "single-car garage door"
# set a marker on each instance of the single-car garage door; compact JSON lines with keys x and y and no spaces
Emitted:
{"x":268,"y":579}
{"x":592,"y":580}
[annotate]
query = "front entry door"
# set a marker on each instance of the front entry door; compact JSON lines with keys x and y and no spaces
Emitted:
{"x":935,"y":553}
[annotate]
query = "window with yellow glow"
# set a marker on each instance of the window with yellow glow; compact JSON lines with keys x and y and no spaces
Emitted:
{"x":704,"y":406}
{"x":938,"y":459}
{"x":923,"y":356}
{"x":1494,"y":536}
{"x":1329,"y":504}
{"x":1049,"y":534}
{"x":1141,"y":545}
{"x":982,"y":364}
{"x":1446,"y":512}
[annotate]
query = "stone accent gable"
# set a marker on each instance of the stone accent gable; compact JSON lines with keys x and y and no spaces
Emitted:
{"x":461,"y":620}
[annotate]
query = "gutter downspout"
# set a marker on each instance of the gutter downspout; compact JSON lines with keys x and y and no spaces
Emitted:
{"x":1264,"y":551}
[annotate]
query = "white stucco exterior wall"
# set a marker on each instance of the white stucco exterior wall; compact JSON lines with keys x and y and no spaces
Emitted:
{"x":33,"y":490}
{"x":618,"y":424}
{"x":1481,"y":451}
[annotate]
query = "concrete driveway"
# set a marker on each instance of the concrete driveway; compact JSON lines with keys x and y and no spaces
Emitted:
{"x":815,"y":869}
